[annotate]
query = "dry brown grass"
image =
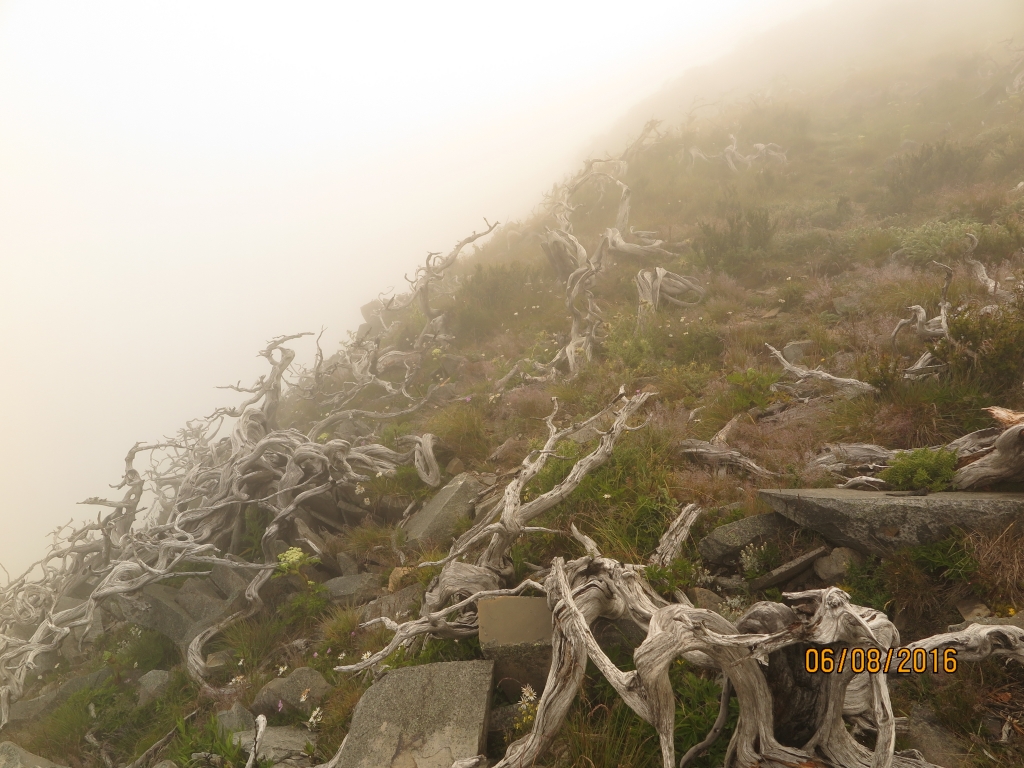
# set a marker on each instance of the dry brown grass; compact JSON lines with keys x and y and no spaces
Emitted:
{"x":1000,"y":558}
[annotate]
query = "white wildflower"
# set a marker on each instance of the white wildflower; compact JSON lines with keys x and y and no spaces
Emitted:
{"x":282,"y":669}
{"x":527,"y":695}
{"x":366,"y":655}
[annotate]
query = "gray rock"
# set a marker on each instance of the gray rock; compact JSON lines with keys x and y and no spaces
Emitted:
{"x":846,"y":305}
{"x":501,"y":719}
{"x":455,"y":467}
{"x":723,"y":544}
{"x":280,"y":742}
{"x":426,"y":716}
{"x":354,"y":590}
{"x":13,"y":756}
{"x":515,"y":632}
{"x":234,"y":720}
{"x":28,"y":709}
{"x":1017,"y":620}
{"x":398,"y":606}
{"x":153,"y":685}
{"x":219,"y":660}
{"x":289,"y":691}
{"x":230,"y":583}
{"x":934,"y":742}
{"x":833,"y":567}
{"x":876,"y":523}
{"x":200,"y":599}
{"x":165,"y":764}
{"x":972,"y":609}
{"x":704,"y":598}
{"x":796,"y":351}
{"x":156,"y":608}
{"x":347,"y":564}
{"x":440,"y":516}
{"x":734,"y":585}
{"x":787,"y":571}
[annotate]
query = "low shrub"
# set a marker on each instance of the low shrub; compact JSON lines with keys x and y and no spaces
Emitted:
{"x":923,"y":468}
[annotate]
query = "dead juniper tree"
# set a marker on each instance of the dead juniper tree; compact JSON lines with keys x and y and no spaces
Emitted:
{"x":787,"y":715}
{"x":203,"y":486}
{"x":430,"y":275}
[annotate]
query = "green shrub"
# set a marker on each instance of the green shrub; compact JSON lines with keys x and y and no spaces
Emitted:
{"x":923,"y":468}
{"x":986,"y":346}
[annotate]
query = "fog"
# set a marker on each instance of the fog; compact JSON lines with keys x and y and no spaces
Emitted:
{"x":181,"y":182}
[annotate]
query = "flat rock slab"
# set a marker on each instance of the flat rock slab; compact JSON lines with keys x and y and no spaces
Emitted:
{"x":441,"y":516}
{"x":875,"y":523}
{"x":13,"y":756}
{"x":421,"y":717}
{"x":724,"y":543}
{"x":515,"y":632}
{"x":787,"y":571}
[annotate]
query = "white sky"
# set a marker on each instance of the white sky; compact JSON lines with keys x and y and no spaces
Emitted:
{"x":180,"y":182}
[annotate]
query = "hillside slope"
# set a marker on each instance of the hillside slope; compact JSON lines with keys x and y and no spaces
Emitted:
{"x":600,"y":372}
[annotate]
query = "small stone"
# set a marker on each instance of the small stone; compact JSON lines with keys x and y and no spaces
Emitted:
{"x":354,"y":590}
{"x":724,"y":544}
{"x":398,"y":577}
{"x":289,"y":690}
{"x":236,"y":719}
{"x":704,"y":598}
{"x":153,"y":685}
{"x":787,"y":571}
{"x":219,"y":660}
{"x":833,"y":567}
{"x":398,"y":607}
{"x":455,"y":466}
{"x":846,"y":305}
{"x":280,"y":743}
{"x":347,"y":564}
{"x":796,"y":351}
{"x":973,"y":609}
{"x":165,"y":764}
{"x":733,"y":585}
{"x":511,"y":451}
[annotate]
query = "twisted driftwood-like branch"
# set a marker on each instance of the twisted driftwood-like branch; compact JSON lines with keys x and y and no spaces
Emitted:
{"x":848,"y":388}
{"x":466,"y":583}
{"x":653,"y":285}
{"x":672,"y":540}
{"x":203,"y":486}
{"x":430,"y":274}
{"x":1004,"y":464}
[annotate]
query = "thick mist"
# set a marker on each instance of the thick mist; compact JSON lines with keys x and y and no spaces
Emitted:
{"x":180,"y":183}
